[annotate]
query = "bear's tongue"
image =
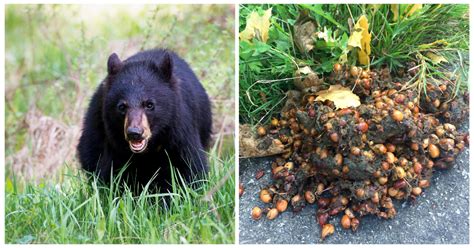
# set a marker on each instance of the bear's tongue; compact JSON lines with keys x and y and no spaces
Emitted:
{"x":137,"y":145}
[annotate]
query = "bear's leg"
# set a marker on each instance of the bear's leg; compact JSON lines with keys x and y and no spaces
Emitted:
{"x":194,"y":160}
{"x":90,"y":150}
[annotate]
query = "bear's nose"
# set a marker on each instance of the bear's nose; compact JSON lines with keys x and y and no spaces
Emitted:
{"x":134,"y":133}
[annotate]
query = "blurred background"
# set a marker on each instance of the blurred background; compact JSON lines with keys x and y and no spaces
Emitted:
{"x":56,"y":57}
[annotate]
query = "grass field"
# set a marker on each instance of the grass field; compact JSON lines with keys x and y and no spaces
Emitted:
{"x":55,"y":58}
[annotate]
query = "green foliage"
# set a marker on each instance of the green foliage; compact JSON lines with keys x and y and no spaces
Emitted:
{"x":266,"y":69}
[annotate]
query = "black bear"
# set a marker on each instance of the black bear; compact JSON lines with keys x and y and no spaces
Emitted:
{"x":150,"y":113}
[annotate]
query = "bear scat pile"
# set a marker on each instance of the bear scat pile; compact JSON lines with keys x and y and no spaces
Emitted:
{"x":354,"y":161}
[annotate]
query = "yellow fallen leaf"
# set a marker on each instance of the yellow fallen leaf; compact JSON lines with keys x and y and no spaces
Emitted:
{"x":414,"y":8}
{"x":341,"y":96}
{"x":361,"y":38}
{"x":355,"y":38}
{"x":408,"y":10}
{"x":434,"y":44}
{"x":435,"y":58}
{"x":257,"y":26}
{"x":364,"y":58}
{"x":394,"y":9}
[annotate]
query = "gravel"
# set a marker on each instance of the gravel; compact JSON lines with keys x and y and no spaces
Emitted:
{"x":439,"y":216}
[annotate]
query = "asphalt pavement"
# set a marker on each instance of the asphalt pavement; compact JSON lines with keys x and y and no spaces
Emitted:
{"x":439,"y":216}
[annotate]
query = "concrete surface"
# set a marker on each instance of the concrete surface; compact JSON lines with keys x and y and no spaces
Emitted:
{"x":439,"y":216}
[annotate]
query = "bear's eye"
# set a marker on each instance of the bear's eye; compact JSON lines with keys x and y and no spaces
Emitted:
{"x":122,"y":107}
{"x":149,"y":105}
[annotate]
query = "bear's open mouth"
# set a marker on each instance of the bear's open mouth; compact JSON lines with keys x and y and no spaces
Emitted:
{"x":137,"y":146}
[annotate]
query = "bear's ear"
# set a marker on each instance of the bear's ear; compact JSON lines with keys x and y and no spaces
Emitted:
{"x":114,"y":64}
{"x":165,"y":67}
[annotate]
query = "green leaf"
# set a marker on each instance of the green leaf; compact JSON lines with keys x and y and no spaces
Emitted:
{"x":327,"y":65}
{"x":260,"y":48}
{"x":436,"y":58}
{"x":100,"y":228}
{"x":282,"y":45}
{"x":318,"y":10}
{"x":246,"y":50}
{"x":255,"y":66}
{"x":27,"y":239}
{"x":344,"y":40}
{"x":9,"y":185}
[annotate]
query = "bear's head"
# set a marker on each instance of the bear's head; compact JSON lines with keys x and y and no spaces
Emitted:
{"x":139,"y":102}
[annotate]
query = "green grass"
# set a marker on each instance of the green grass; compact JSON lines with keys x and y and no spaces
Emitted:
{"x":266,"y":69}
{"x":55,"y":58}
{"x":72,"y":210}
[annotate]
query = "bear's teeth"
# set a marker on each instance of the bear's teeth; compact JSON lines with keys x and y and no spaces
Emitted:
{"x":137,"y":145}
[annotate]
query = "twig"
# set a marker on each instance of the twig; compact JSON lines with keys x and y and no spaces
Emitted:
{"x":274,"y":106}
{"x":264,"y":81}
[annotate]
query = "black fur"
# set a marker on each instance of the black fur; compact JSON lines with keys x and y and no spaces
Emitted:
{"x":180,"y":122}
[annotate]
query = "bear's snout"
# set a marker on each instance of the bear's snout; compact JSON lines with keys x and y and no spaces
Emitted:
{"x":134,"y":133}
{"x":137,"y":130}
